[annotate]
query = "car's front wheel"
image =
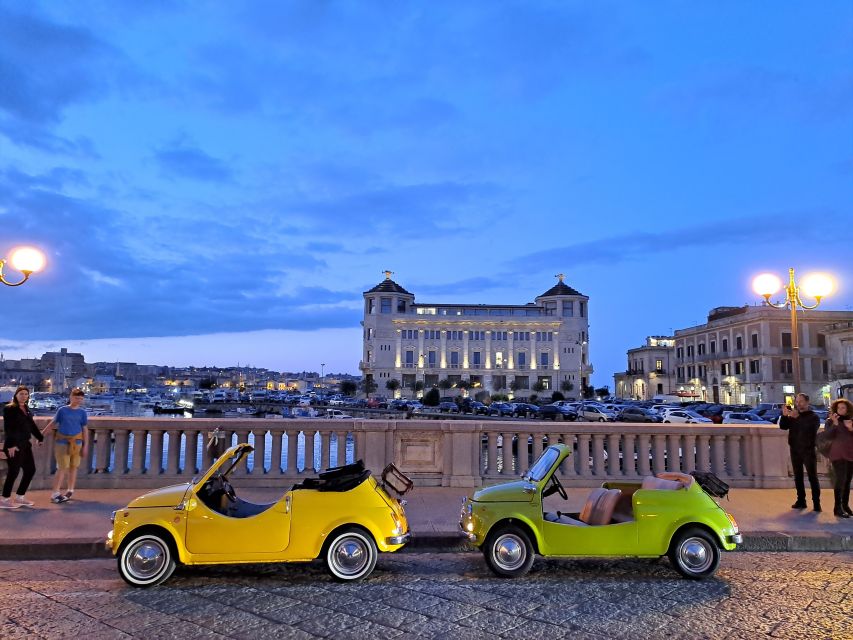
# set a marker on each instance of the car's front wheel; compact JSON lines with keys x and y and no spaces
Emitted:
{"x":694,"y":553}
{"x":351,"y":555}
{"x":146,"y":560}
{"x":509,"y":552}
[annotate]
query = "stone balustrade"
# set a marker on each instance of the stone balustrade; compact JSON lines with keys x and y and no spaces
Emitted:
{"x":152,"y":452}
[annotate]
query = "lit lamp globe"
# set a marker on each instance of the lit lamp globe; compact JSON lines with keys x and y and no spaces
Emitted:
{"x":817,"y":285}
{"x":27,"y":260}
{"x":766,"y":285}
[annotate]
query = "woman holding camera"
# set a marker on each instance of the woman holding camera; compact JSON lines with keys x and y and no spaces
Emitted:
{"x":839,"y":428}
{"x":19,"y":427}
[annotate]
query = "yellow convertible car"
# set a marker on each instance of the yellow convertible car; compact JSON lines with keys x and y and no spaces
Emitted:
{"x":344,"y":516}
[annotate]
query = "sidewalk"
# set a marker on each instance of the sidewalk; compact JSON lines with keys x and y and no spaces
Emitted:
{"x":77,"y":529}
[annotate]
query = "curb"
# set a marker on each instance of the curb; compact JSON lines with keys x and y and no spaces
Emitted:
{"x":428,"y":542}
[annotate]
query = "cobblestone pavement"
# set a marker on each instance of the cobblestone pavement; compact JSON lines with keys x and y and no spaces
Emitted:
{"x":443,"y":595}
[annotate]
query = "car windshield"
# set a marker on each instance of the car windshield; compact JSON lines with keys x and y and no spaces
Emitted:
{"x":542,"y":465}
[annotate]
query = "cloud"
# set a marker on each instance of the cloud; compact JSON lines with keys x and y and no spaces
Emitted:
{"x":184,"y":160}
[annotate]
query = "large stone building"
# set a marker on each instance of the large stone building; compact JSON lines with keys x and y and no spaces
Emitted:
{"x":504,"y":348}
{"x":839,"y":344}
{"x":650,"y":371}
{"x":743,"y":355}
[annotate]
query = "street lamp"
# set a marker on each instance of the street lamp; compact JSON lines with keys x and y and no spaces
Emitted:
{"x":26,"y":260}
{"x":582,"y":344}
{"x":817,"y":286}
{"x":322,"y":375}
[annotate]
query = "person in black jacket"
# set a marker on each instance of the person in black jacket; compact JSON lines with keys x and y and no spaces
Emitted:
{"x":19,"y":425}
{"x":802,"y":424}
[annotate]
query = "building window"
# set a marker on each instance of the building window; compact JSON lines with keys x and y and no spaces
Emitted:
{"x":477,"y":335}
{"x":370,"y":356}
{"x":409,"y":334}
{"x":825,"y":366}
{"x":581,"y":309}
{"x":787,"y":366}
{"x":454,"y":335}
{"x":385,"y":305}
{"x":369,"y":333}
{"x":725,"y":368}
{"x":550,"y":308}
{"x":755,"y":366}
{"x":410,"y":359}
{"x":543,"y":360}
{"x":498,"y":383}
{"x":679,"y":353}
{"x":475,"y":359}
{"x":754,"y":339}
{"x":498,"y":335}
{"x":568,"y":308}
{"x":522,"y":336}
{"x":431,"y":380}
{"x":544,"y":382}
{"x":821,"y":341}
{"x":713,"y":346}
{"x":499,"y":359}
{"x":725,"y":345}
{"x":431,"y":358}
{"x":739,"y":367}
{"x":786,"y":340}
{"x":401,"y":306}
{"x":454,"y":359}
{"x":689,"y":350}
{"x":659,"y":366}
{"x":701,"y":349}
{"x":522,"y":382}
{"x":544,"y":336}
{"x":370,"y":309}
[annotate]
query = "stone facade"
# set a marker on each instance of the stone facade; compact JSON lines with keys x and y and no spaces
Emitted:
{"x":839,"y":344}
{"x":650,"y":371}
{"x":743,"y":355}
{"x":498,"y":348}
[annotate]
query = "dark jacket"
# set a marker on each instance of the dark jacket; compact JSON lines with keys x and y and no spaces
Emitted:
{"x":842,"y":441}
{"x":18,"y":427}
{"x":801,"y":430}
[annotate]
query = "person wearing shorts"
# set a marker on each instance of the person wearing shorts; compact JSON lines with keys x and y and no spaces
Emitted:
{"x":70,"y":444}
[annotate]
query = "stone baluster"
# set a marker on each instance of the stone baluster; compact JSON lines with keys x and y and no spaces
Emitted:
{"x":191,"y":458}
{"x":291,"y":438}
{"x":491,"y":465}
{"x":506,"y":455}
{"x":659,"y":453}
{"x":644,"y":467}
{"x":583,"y":455}
{"x":629,"y":459}
{"x":173,"y":454}
{"x":718,"y":461}
{"x":746,"y":461}
{"x":673,"y":457}
{"x":155,"y":462}
{"x":309,"y":451}
{"x":259,"y":467}
{"x":567,"y":469}
{"x":703,"y":451}
{"x":101,"y":449}
{"x":598,"y":468}
{"x":614,"y":469}
{"x":340,"y":450}
{"x":733,"y":456}
{"x":688,"y":458}
{"x":140,"y":440}
{"x":275,"y":452}
{"x":325,"y":450}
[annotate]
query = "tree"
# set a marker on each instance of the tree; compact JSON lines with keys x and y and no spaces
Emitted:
{"x":567,"y":385}
{"x":348,"y":387}
{"x":392,"y":385}
{"x":557,"y":396}
{"x":463,"y":384}
{"x":417,"y":385}
{"x":588,"y":391}
{"x":539,"y":386}
{"x":515,"y":385}
{"x":432,"y":398}
{"x":368,"y":385}
{"x":603,"y":392}
{"x":444,"y":384}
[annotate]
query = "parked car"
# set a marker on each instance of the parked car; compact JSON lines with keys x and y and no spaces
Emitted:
{"x":344,"y":516}
{"x":524,"y":409}
{"x":500,"y":409}
{"x":735,"y":417}
{"x":638,"y":414}
{"x":556,"y":412}
{"x":477,"y":408}
{"x":593,"y":413}
{"x":671,"y":514}
{"x":337,"y":414}
{"x":684,"y":416}
{"x":448,"y":407}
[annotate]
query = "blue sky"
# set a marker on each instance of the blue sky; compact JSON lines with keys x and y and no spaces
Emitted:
{"x":242,"y":172}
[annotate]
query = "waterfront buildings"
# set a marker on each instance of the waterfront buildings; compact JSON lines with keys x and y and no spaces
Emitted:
{"x":650,"y":370}
{"x":743,"y":355}
{"x":540,"y":346}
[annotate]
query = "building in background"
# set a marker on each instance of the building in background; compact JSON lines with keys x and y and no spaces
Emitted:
{"x":839,"y":344}
{"x":650,"y":371}
{"x":537,"y":347}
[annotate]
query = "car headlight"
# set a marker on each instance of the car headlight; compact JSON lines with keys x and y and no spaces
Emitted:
{"x":732,"y":520}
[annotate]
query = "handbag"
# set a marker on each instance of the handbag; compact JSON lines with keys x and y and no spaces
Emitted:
{"x":823,"y":442}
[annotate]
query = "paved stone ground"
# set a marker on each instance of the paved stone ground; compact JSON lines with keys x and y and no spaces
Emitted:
{"x":443,"y":595}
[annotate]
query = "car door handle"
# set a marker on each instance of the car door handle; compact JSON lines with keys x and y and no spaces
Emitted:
{"x":287,"y":504}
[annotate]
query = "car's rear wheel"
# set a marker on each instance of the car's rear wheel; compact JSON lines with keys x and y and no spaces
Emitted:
{"x":351,"y":555}
{"x":601,"y":420}
{"x":694,"y":553}
{"x":509,"y":552}
{"x":146,"y":560}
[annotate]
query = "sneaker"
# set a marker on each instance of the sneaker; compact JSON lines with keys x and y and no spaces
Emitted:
{"x":69,"y":494}
{"x":58,"y":499}
{"x":21,"y":500}
{"x":799,"y":504}
{"x":6,"y":503}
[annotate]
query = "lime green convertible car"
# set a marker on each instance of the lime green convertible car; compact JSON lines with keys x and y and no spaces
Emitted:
{"x":669,"y":514}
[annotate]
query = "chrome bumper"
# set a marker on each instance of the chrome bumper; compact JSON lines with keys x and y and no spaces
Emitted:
{"x":735,"y":539}
{"x":403,"y":539}
{"x":471,"y":537}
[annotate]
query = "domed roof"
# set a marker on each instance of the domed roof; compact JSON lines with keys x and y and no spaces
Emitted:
{"x":388,"y":286}
{"x":561,"y":289}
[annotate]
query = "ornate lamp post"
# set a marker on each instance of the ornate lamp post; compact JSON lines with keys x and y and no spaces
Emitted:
{"x":817,"y":286}
{"x":26,"y":260}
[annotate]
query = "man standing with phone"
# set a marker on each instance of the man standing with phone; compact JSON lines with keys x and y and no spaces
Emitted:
{"x":802,"y":424}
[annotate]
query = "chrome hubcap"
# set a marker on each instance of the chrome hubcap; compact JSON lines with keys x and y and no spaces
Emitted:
{"x":146,"y":559}
{"x":695,"y":555}
{"x":509,"y":551}
{"x":350,"y":556}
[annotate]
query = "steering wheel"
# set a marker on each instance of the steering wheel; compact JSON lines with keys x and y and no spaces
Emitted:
{"x":229,"y":490}
{"x":558,"y":486}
